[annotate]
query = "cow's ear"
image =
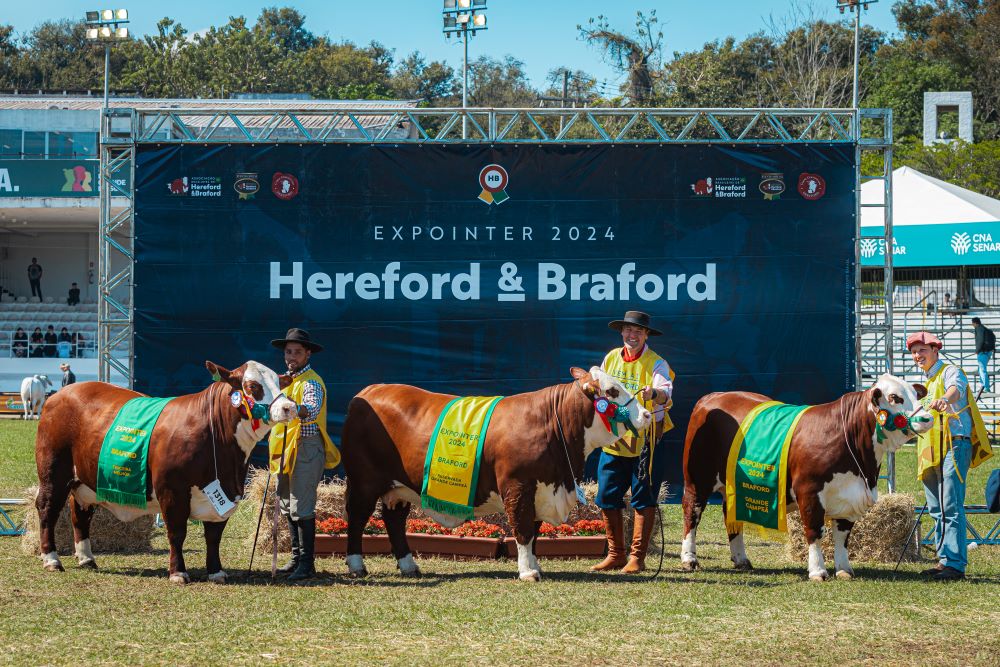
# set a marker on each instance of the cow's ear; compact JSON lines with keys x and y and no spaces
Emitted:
{"x":921,"y":390}
{"x":284,"y":380}
{"x":222,"y":374}
{"x":876,"y":396}
{"x":578,"y":373}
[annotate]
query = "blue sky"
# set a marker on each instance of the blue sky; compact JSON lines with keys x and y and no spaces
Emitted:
{"x":542,"y":33}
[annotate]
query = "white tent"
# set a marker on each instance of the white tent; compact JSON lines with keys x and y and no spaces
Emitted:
{"x":918,"y":199}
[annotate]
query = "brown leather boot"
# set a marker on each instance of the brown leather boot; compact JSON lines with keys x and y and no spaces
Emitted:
{"x":641,"y":532}
{"x":614,"y":525}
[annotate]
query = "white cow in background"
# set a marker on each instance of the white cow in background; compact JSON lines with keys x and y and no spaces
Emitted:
{"x":33,"y":390}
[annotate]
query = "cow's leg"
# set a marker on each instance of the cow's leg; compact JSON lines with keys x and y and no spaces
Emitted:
{"x":81,"y":533}
{"x":395,"y":526}
{"x":737,"y":547}
{"x":359,"y":509}
{"x":176,"y":509}
{"x":519,"y":502}
{"x":841,"y":534}
{"x":694,"y":506}
{"x":213,"y":564}
{"x":812,"y":524}
{"x":55,"y":470}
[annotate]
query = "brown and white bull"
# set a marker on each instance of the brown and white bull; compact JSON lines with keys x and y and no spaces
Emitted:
{"x":535,"y":449}
{"x":180,"y":460}
{"x":833,"y":463}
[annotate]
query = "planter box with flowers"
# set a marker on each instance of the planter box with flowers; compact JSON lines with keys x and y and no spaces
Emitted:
{"x":474,"y":539}
{"x":583,"y":539}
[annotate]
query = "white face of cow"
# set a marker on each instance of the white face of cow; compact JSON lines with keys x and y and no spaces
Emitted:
{"x":283,"y":409}
{"x":616,"y":392}
{"x":900,"y":398}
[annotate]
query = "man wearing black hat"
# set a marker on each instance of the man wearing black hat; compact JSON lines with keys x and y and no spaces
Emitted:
{"x":628,"y":463}
{"x":300,"y":450}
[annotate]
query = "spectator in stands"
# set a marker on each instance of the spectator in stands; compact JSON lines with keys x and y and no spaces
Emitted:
{"x":947,"y":302}
{"x":74,"y":295}
{"x":68,"y":376}
{"x":64,"y":348}
{"x":35,"y":278}
{"x":36,"y":348}
{"x":986,"y":344}
{"x":20,"y":346}
{"x":50,"y":341}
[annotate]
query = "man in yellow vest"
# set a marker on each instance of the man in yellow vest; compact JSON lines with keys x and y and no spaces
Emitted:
{"x":956,"y":443}
{"x":300,"y":450}
{"x":629,"y":462}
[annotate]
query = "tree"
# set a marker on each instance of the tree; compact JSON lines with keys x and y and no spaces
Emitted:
{"x":234,"y":59}
{"x":416,"y":79}
{"x":57,"y":54}
{"x":344,"y":71}
{"x":972,"y":166}
{"x":286,"y":28}
{"x":499,"y":83}
{"x":723,"y":74}
{"x":163,"y":66}
{"x":638,"y":56}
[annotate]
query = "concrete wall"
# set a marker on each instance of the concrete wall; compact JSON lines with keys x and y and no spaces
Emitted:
{"x":65,"y":258}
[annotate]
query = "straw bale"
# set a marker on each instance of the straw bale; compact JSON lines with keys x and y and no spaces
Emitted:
{"x":877,"y":538}
{"x":107,"y":534}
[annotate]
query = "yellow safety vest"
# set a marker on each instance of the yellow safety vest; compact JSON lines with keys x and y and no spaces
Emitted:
{"x":929,"y":444}
{"x":294,"y":391}
{"x":634,"y":375}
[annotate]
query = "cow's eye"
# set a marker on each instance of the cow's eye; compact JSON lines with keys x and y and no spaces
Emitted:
{"x":895,"y":398}
{"x":613,"y":392}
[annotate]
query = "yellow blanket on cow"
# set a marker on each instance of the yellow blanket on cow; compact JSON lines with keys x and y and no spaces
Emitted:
{"x":451,"y":469}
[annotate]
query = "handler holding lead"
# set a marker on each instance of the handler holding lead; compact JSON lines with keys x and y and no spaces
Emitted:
{"x":306,"y":450}
{"x":629,"y":462}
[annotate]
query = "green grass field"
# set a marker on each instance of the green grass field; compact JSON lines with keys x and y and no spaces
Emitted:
{"x":476,"y":612}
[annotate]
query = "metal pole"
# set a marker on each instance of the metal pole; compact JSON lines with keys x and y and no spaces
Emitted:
{"x":465,"y":74}
{"x":857,"y":43}
{"x":107,"y":67}
{"x":564,"y":95}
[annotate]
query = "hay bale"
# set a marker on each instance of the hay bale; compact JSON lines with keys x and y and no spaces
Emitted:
{"x":107,"y":534}
{"x":877,"y":538}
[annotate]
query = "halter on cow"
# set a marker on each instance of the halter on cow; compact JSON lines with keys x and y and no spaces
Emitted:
{"x":833,"y":462}
{"x":198,"y":438}
{"x":533,"y":453}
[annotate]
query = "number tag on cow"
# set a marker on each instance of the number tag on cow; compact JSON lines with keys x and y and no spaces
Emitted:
{"x":220,"y":501}
{"x":581,"y":497}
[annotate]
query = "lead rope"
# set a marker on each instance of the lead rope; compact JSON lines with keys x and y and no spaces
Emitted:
{"x":277,"y":505}
{"x":843,"y":423}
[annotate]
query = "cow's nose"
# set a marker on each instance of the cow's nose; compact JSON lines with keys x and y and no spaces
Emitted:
{"x":646,"y":414}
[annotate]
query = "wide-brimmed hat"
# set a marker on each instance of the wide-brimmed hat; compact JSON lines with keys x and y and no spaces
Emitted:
{"x":925,"y":337}
{"x":638,"y":318}
{"x":300,"y":336}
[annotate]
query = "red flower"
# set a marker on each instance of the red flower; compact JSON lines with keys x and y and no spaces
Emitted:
{"x":426,"y":527}
{"x":375,"y":527}
{"x":900,"y":421}
{"x":332,"y":526}
{"x":478,"y":528}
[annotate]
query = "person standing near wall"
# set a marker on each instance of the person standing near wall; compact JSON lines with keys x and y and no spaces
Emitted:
{"x":35,"y":278}
{"x":986,"y":344}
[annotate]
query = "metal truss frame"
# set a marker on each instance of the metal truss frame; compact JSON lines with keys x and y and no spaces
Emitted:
{"x":122,"y":130}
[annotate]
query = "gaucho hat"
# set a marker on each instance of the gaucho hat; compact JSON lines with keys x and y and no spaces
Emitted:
{"x":638,"y":318}
{"x":300,"y":336}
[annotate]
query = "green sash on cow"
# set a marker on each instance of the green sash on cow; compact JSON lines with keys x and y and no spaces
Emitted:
{"x":121,"y":468}
{"x":757,"y":470}
{"x":451,"y":469}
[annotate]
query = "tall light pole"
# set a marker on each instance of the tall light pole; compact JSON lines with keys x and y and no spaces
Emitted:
{"x":107,"y":26}
{"x":462,"y":17}
{"x":855,"y":6}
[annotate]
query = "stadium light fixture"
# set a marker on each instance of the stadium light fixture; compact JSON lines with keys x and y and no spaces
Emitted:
{"x":463,"y":18}
{"x":855,"y":6}
{"x":106,"y":26}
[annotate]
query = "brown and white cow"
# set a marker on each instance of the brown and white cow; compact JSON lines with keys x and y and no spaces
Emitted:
{"x":833,"y":463}
{"x":180,"y":460}
{"x":535,"y":448}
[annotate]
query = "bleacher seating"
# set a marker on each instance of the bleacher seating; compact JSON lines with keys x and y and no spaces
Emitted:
{"x":81,"y":318}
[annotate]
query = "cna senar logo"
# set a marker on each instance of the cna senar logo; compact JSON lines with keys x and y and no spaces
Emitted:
{"x":872,"y":246}
{"x":869,"y":247}
{"x":961,"y":242}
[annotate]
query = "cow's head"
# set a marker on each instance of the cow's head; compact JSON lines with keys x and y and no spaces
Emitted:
{"x":597,"y":384}
{"x":44,"y":379}
{"x":262,"y":384}
{"x":898,"y":411}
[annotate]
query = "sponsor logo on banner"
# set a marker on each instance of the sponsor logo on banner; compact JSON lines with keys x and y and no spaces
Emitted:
{"x":811,"y":186}
{"x":722,"y":187}
{"x":772,"y":185}
{"x":5,"y":183}
{"x":247,"y":185}
{"x":493,"y":180}
{"x":77,"y":179}
{"x":876,"y":246}
{"x":961,"y":242}
{"x":964,"y":242}
{"x":196,"y":186}
{"x":284,"y":186}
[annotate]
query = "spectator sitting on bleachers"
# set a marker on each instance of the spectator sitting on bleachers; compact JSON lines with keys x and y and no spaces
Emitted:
{"x":50,"y":341}
{"x":74,"y":295}
{"x":20,"y":346}
{"x":64,"y":348}
{"x":37,"y":339}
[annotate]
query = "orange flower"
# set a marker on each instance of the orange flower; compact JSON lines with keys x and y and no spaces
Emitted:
{"x":332,"y":526}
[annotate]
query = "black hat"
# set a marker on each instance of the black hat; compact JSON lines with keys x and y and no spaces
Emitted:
{"x":300,"y":336}
{"x":638,"y":318}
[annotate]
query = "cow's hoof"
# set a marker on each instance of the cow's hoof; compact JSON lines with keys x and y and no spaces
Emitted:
{"x":180,"y":578}
{"x":53,"y":566}
{"x":819,"y":576}
{"x":358,"y":574}
{"x":218,"y":577}
{"x":690,"y":565}
{"x":846,"y":575}
{"x":530,"y":575}
{"x":745,"y":566}
{"x":88,"y":564}
{"x":407,"y":566}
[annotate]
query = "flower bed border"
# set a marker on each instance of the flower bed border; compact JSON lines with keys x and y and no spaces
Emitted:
{"x":473,"y":548}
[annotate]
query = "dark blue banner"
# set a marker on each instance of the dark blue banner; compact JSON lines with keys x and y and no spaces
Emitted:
{"x":492,"y":270}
